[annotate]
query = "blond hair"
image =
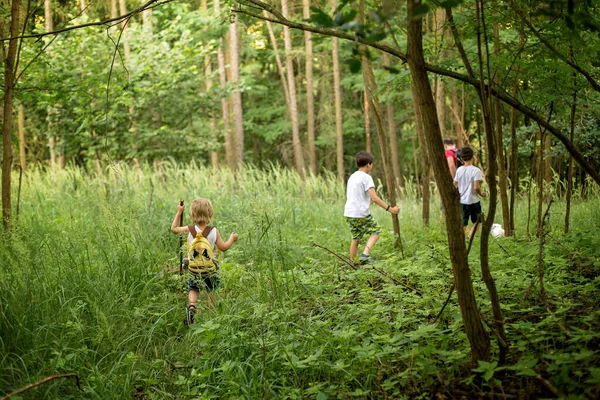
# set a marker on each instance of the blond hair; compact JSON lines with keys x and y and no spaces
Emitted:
{"x":201,"y":211}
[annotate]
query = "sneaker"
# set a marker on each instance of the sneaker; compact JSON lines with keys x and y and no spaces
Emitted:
{"x":363,"y":259}
{"x":189,"y":314}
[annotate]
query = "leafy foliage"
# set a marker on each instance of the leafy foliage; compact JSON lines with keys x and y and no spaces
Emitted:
{"x":85,"y":287}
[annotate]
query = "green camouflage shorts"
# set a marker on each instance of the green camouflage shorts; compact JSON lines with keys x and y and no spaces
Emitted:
{"x":363,"y":226}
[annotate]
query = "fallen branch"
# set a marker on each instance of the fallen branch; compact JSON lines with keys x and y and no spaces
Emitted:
{"x":350,"y":263}
{"x":549,"y":386}
{"x":48,"y":379}
{"x":344,"y":259}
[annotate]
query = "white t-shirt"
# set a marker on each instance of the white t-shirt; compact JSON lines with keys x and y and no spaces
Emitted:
{"x":357,"y":195}
{"x":466,"y":177}
{"x":212,"y":237}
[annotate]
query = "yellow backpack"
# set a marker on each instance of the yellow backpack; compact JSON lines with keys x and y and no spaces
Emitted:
{"x":201,"y":257}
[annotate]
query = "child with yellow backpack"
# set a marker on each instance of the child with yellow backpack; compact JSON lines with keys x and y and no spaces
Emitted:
{"x":204,"y":241}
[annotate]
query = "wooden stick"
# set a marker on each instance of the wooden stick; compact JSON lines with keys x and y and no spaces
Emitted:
{"x":344,"y":259}
{"x":48,"y":379}
{"x":180,"y":242}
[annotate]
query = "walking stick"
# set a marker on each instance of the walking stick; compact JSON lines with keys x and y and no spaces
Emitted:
{"x":180,"y":242}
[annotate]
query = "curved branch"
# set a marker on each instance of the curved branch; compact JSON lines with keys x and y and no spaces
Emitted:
{"x":505,"y":97}
{"x":148,"y":5}
{"x":553,"y":49}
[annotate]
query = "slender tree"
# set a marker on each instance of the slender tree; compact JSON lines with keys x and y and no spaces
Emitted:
{"x":478,"y":337}
{"x":236,"y":96}
{"x":291,"y":83}
{"x":310,"y":103}
{"x":21,"y":129}
{"x":10,"y":60}
{"x":337,"y":95}
{"x":229,"y":147}
{"x":394,"y":158}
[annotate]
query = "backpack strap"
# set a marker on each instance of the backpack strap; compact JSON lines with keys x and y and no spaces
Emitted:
{"x":207,"y":231}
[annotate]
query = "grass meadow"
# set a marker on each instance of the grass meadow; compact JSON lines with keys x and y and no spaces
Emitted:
{"x":85,"y":288}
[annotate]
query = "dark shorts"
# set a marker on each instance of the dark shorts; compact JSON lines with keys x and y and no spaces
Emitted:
{"x":363,"y":226}
{"x":470,"y":210}
{"x":203,"y":282}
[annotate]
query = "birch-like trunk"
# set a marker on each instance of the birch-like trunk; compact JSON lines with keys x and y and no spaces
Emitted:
{"x":236,"y":96}
{"x":337,"y":92}
{"x":21,"y":129}
{"x":310,"y":103}
{"x":289,"y":66}
{"x":229,"y":152}
{"x":395,"y":162}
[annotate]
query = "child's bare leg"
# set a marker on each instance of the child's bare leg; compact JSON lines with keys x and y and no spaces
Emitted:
{"x":353,"y":249}
{"x":466,"y":229}
{"x":192,"y":297}
{"x":370,"y":243}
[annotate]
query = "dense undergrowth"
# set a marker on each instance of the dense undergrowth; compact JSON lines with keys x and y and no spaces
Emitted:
{"x":85,"y":287}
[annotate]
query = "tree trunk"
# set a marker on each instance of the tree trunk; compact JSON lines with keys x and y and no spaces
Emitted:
{"x":486,"y":107}
{"x":392,"y":133}
{"x":229,"y":152}
{"x":21,"y":125}
{"x":502,"y":178}
{"x":371,"y":88}
{"x":514,"y":164}
{"x":338,"y":105}
{"x":126,"y":47}
{"x":49,"y":25}
{"x":425,"y":178}
{"x":114,"y":13}
{"x":236,"y":96}
{"x":570,"y":171}
{"x":10,"y":57}
{"x":457,"y":118}
{"x":147,"y":17}
{"x":440,"y":91}
{"x":478,"y":337}
{"x":367,"y":123}
{"x":310,"y":103}
{"x":291,"y":83}
{"x":214,"y":157}
{"x":282,"y":77}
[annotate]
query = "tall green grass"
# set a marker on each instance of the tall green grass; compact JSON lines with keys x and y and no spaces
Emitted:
{"x":84,"y":288}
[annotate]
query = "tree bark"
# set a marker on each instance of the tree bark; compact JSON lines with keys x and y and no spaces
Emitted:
{"x":214,"y":157}
{"x":570,"y":171}
{"x":502,"y":178}
{"x":367,"y":122}
{"x":486,"y":107}
{"x":392,"y":134}
{"x":229,"y":151}
{"x":514,"y":164}
{"x":310,"y":103}
{"x":236,"y":96}
{"x":289,"y":66}
{"x":337,"y":91}
{"x":21,"y":125}
{"x":49,"y":25}
{"x":10,"y":57}
{"x":478,"y":337}
{"x":425,"y":178}
{"x":126,"y":46}
{"x":147,"y":18}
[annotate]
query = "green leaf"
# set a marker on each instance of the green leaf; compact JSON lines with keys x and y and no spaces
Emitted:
{"x":320,"y":18}
{"x":355,"y":65}
{"x":421,"y":11}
